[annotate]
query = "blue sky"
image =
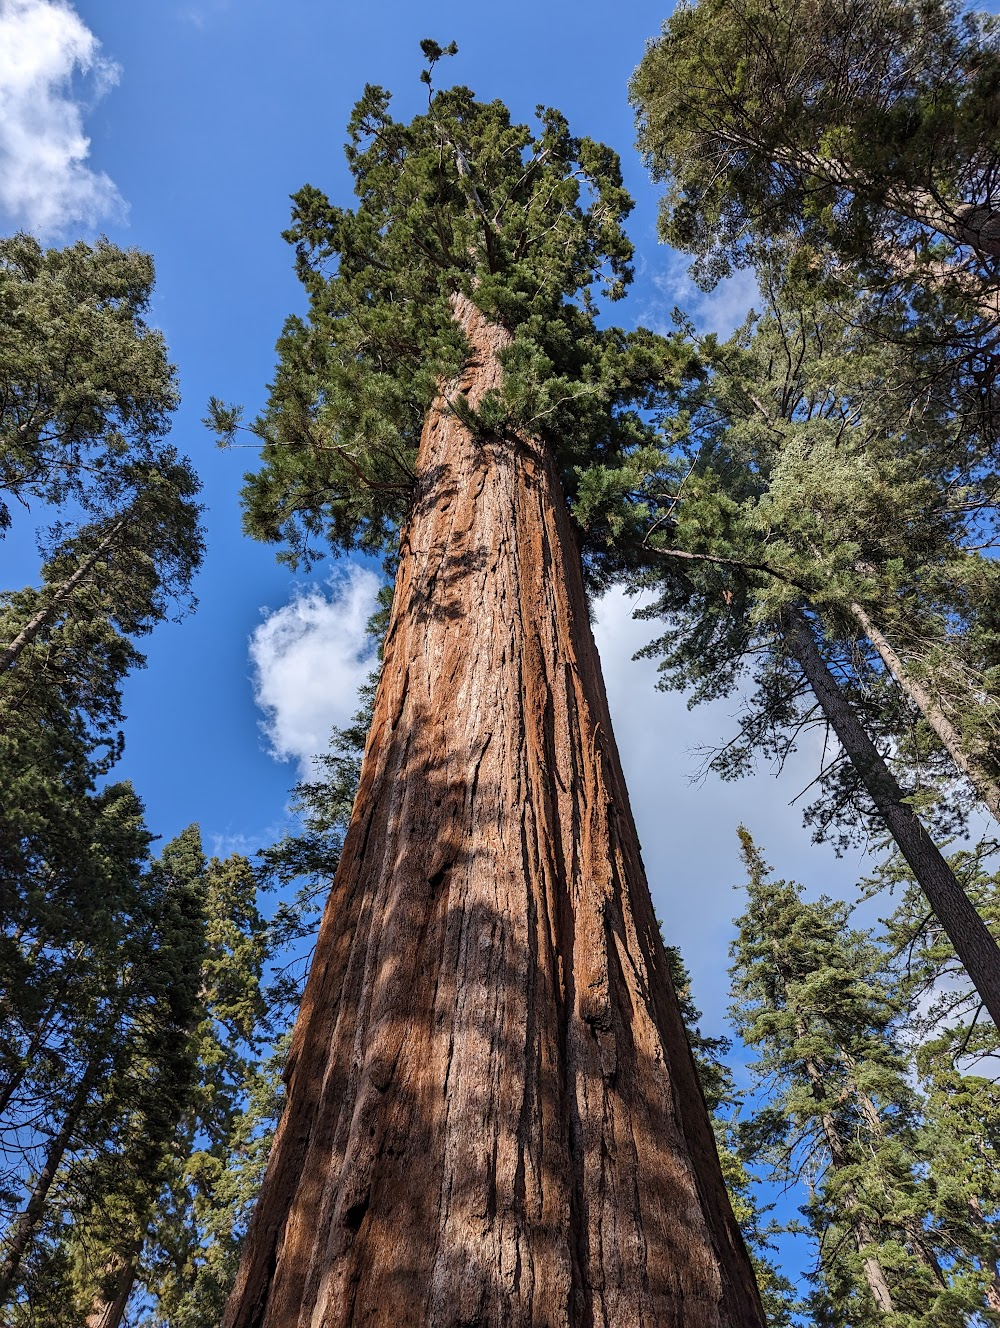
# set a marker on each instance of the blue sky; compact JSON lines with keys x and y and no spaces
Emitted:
{"x":181,"y":127}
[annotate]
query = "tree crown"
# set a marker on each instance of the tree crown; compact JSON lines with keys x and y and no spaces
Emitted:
{"x":528,"y":224}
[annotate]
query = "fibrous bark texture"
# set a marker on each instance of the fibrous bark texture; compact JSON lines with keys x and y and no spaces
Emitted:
{"x":118,"y":1281}
{"x":493,"y":1116}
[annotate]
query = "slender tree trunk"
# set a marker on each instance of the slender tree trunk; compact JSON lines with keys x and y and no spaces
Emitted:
{"x":987,"y":1259}
{"x":8,"y":656}
{"x":860,"y":1229}
{"x":493,"y":1117}
{"x":993,"y":1292}
{"x":119,"y":1279}
{"x":10,"y":1087}
{"x":24,"y":1229}
{"x":911,"y":1226}
{"x":864,"y":1237}
{"x":975,"y":947}
{"x":983,"y":783}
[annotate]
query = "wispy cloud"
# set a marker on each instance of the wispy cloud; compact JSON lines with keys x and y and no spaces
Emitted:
{"x":45,"y":182}
{"x":223,"y":844}
{"x":199,"y":15}
{"x":310,"y":657}
{"x":720,"y":310}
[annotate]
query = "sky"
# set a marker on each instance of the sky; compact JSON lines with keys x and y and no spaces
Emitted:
{"x":181,"y":127}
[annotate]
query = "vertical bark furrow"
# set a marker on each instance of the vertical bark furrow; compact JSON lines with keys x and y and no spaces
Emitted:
{"x":493,"y":1117}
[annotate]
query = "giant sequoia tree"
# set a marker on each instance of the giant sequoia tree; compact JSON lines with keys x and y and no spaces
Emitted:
{"x":493,"y":1116}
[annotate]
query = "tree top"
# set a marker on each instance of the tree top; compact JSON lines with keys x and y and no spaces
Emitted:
{"x":528,"y":223}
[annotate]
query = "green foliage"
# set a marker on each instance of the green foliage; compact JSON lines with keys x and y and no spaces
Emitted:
{"x":97,"y":1065}
{"x":724,"y":1102}
{"x":873,"y":128}
{"x":808,"y":472}
{"x":864,"y":138}
{"x":893,"y":1206}
{"x":86,"y":395}
{"x":85,"y":385}
{"x":528,"y":223}
{"x":191,"y":1233}
{"x":251,"y":982}
{"x":955,"y":1049}
{"x":100,"y":945}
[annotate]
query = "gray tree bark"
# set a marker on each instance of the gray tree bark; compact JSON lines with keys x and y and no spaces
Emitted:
{"x":966,"y":762}
{"x":23,"y":1230}
{"x":976,"y":949}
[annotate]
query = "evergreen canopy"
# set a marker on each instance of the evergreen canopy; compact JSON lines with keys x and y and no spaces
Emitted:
{"x":875,"y":126}
{"x":528,"y":223}
{"x":86,"y":390}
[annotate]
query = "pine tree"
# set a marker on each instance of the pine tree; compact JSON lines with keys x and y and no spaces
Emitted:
{"x":90,"y":1118}
{"x":185,"y":1259}
{"x":868,"y":128}
{"x":492,"y":1111}
{"x":85,"y":385}
{"x":954,"y":1047}
{"x":86,"y":394}
{"x":724,"y":1102}
{"x":810,"y":496}
{"x":129,"y":567}
{"x":99,"y":945}
{"x":782,"y":132}
{"x":158,"y":1087}
{"x":73,"y":876}
{"x":841,"y":1114}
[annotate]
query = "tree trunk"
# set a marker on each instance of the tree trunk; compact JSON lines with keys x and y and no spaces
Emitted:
{"x":23,"y":1230}
{"x":112,"y":1301}
{"x":949,"y":737}
{"x":493,"y":1117}
{"x":975,"y":947}
{"x":910,"y":1225}
{"x":878,"y":1286}
{"x":861,"y":1231}
{"x":987,"y":1258}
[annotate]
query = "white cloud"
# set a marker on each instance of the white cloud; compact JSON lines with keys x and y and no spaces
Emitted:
{"x":199,"y":15}
{"x":687,"y":828}
{"x":45,"y":183}
{"x":224,"y":844}
{"x":720,"y":310}
{"x":310,"y":657}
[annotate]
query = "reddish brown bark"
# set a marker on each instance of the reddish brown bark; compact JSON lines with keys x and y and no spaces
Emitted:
{"x":111,"y":1301}
{"x":493,"y":1117}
